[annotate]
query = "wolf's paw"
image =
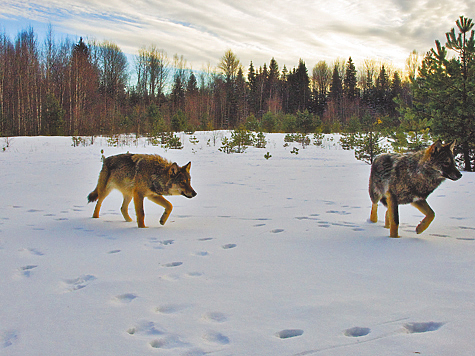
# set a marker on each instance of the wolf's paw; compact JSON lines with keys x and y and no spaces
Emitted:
{"x":421,"y":228}
{"x":164,"y":219}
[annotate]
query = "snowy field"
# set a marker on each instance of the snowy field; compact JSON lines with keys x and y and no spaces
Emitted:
{"x":272,"y":257}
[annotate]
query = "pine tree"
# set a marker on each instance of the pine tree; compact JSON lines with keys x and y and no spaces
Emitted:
{"x":445,"y":91}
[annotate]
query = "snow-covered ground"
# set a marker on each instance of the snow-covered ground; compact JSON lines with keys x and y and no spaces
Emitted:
{"x":272,"y":257}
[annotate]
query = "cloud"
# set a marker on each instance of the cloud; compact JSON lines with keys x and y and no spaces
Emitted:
{"x":255,"y":30}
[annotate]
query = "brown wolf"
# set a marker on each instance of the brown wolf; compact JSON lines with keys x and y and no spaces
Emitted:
{"x":138,"y":176}
{"x":409,"y":178}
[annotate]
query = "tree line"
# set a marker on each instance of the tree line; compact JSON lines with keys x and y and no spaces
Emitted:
{"x":79,"y":88}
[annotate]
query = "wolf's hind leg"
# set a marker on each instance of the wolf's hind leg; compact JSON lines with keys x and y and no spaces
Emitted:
{"x":392,"y":215}
{"x":125,"y":207}
{"x":160,"y":200}
{"x":101,"y":196}
{"x":138,"y":202}
{"x":425,"y":209}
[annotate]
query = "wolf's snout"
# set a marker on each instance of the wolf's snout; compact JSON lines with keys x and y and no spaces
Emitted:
{"x":456,"y":176}
{"x":189,"y":195}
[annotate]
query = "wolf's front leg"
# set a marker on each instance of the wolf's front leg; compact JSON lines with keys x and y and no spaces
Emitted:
{"x":138,"y":202}
{"x":160,"y":200}
{"x":374,"y":213}
{"x":425,"y":209}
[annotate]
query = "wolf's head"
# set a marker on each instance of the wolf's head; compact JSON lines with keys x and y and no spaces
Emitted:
{"x":180,"y":180}
{"x":441,"y":157}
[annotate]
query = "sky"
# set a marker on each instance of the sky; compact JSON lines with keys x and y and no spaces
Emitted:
{"x":255,"y":30}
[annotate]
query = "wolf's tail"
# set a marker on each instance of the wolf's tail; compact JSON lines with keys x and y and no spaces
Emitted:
{"x":92,"y":196}
{"x":101,"y":183}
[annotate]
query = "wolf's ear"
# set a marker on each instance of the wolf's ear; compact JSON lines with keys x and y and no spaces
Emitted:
{"x":187,"y":167}
{"x":174,"y":169}
{"x":435,"y":147}
{"x":452,"y":145}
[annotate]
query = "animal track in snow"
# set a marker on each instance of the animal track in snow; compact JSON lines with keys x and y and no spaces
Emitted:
{"x":194,"y":274}
{"x":338,"y":212}
{"x":78,"y":283}
{"x":173,"y":264}
{"x":32,"y":251}
{"x":357,"y":331}
{"x":201,"y":253}
{"x":228,"y":246}
{"x":288,"y":333}
{"x":158,"y":244}
{"x":124,"y":298}
{"x":422,"y":327}
{"x":466,"y":228}
{"x":33,"y":211}
{"x":145,"y":328}
{"x":7,"y":338}
{"x":25,"y":271}
{"x":170,"y":308}
{"x":168,"y":342}
{"x":216,"y":337}
{"x":217,"y":317}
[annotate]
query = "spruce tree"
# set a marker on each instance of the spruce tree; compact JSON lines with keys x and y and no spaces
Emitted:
{"x":350,"y":89}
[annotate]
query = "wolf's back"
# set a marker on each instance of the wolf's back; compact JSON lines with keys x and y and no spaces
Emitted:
{"x":122,"y":162}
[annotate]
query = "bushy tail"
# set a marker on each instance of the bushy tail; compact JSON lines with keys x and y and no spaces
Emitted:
{"x":101,"y":184}
{"x":92,"y":196}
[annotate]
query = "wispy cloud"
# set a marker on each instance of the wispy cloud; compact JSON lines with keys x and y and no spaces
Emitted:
{"x":255,"y":30}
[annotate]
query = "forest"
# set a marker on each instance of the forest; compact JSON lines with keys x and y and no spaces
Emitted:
{"x":88,"y":88}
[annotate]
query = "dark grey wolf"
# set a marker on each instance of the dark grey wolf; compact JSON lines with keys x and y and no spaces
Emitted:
{"x":409,"y":178}
{"x":138,"y":176}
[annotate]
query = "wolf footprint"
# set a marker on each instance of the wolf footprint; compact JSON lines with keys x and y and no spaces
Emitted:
{"x":170,"y":308}
{"x":357,"y":331}
{"x":32,"y":251}
{"x":412,"y":328}
{"x":228,"y":246}
{"x":78,"y":283}
{"x":145,"y":328}
{"x":173,"y":264}
{"x":124,"y":298}
{"x":25,"y":271}
{"x":168,"y":342}
{"x":201,"y":253}
{"x":216,"y":317}
{"x":288,"y":333}
{"x":7,"y":338}
{"x":216,"y":337}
